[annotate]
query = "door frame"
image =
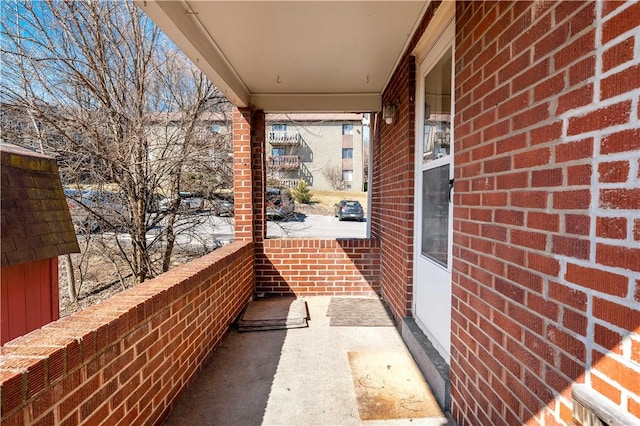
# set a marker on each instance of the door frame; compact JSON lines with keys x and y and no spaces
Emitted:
{"x":437,"y":42}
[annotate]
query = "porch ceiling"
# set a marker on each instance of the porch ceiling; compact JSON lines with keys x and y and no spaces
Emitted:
{"x":283,"y":56}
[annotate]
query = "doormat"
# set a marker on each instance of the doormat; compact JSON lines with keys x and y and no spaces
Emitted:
{"x":358,"y":312}
{"x":274,"y":314}
{"x":388,"y":385}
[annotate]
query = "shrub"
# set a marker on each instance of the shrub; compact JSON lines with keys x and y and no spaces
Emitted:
{"x":301,"y":192}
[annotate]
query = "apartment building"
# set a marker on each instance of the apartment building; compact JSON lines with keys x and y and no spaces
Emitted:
{"x":324,"y":150}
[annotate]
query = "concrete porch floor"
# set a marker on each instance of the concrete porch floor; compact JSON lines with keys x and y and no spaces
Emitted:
{"x":287,"y":377}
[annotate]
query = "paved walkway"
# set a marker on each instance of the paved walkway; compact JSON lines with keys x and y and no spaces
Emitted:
{"x":287,"y":377}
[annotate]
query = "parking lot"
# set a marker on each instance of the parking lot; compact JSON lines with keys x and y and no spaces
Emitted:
{"x":303,"y":226}
{"x":317,"y":226}
{"x":205,"y":229}
{"x":101,"y":270}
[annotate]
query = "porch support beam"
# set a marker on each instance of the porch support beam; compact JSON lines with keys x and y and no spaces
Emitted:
{"x":184,"y":28}
{"x":249,"y":174}
{"x":314,"y":102}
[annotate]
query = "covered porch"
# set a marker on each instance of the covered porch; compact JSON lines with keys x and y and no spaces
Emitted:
{"x":541,"y":277}
{"x":152,"y":349}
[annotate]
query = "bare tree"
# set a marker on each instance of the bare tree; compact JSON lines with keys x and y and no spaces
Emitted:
{"x":119,"y":107}
{"x":334,"y":175}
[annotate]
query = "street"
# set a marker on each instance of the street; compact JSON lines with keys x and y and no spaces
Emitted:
{"x":203,"y":231}
{"x":221,"y":229}
{"x":316,"y":226}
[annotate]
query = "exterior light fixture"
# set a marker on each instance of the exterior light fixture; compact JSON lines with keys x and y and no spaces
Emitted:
{"x":389,"y":113}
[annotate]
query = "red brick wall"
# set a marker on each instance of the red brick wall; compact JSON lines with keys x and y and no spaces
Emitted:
{"x":313,"y":267}
{"x":547,"y":243}
{"x":293,"y":266}
{"x":249,"y":174}
{"x":392,"y":187}
{"x":125,"y":360}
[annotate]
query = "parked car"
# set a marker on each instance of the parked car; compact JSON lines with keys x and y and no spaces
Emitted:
{"x":189,"y":202}
{"x":349,"y":209}
{"x":92,"y":210}
{"x":222,"y":205}
{"x":280,"y":204}
{"x":72,"y":194}
{"x":154,"y":202}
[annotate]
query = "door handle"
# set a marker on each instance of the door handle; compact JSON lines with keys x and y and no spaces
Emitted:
{"x":451,"y":181}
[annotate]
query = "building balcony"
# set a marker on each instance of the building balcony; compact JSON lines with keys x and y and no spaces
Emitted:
{"x":283,"y":162}
{"x":284,"y":138}
{"x":288,"y":183}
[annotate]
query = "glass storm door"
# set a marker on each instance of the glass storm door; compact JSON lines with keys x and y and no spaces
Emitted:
{"x":434,"y":189}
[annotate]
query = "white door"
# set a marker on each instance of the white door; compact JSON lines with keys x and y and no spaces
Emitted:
{"x":434,"y":184}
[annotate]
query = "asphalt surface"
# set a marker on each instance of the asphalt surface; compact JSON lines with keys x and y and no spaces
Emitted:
{"x":316,"y":226}
{"x":204,"y":231}
{"x":300,"y":226}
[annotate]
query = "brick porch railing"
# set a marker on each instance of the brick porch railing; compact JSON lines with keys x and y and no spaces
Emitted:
{"x":316,"y":266}
{"x":125,"y":360}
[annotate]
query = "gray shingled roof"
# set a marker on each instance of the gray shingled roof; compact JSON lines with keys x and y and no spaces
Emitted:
{"x":36,"y":223}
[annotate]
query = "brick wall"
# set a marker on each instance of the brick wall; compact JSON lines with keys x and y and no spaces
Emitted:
{"x":546,"y":251}
{"x":258,"y":143}
{"x":313,"y":267}
{"x":392,"y":187}
{"x":125,"y":360}
{"x":249,"y":174}
{"x":293,"y":266}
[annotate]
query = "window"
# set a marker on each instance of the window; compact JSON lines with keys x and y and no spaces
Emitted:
{"x":347,"y":153}
{"x":293,"y":154}
{"x":215,"y":128}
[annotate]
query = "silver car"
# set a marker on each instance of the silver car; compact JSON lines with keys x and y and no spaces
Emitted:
{"x":92,"y":210}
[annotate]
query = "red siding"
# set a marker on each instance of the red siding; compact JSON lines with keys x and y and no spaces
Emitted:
{"x":29,"y":293}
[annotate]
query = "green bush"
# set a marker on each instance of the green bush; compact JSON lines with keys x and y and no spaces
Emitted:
{"x":301,"y":192}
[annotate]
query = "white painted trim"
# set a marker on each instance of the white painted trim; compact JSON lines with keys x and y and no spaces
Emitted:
{"x":187,"y":32}
{"x":445,"y":13}
{"x":431,"y":54}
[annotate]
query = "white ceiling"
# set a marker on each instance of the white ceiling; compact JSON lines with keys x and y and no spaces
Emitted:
{"x":288,"y":56}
